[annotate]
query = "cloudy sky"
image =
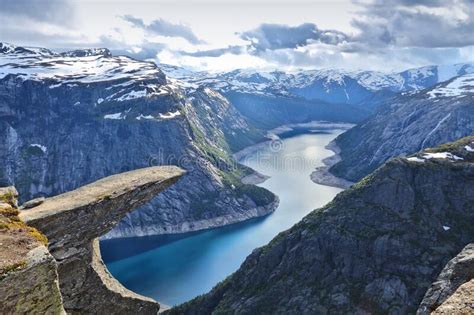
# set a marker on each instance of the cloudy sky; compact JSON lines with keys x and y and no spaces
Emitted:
{"x":269,"y":34}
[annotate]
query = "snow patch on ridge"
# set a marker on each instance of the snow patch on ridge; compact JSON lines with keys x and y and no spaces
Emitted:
{"x":437,"y":155}
{"x":170,"y":115}
{"x":456,"y":88}
{"x":116,"y":116}
{"x":85,"y":66}
{"x":442,"y":155}
{"x":147,"y":117}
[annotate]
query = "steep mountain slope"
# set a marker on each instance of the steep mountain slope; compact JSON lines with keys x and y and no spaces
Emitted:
{"x":407,"y":124}
{"x":264,"y":99}
{"x":69,"y":119}
{"x":375,"y":249}
{"x":269,"y":112}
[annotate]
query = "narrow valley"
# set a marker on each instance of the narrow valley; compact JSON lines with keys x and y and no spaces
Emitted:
{"x":174,"y":269}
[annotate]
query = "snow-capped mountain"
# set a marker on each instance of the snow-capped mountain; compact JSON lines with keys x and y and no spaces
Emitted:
{"x":132,"y":78}
{"x":407,"y":124}
{"x":458,"y":87}
{"x":67,"y":119}
{"x":328,"y":85}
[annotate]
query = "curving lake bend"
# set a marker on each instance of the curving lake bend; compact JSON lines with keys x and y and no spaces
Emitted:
{"x":174,"y":269}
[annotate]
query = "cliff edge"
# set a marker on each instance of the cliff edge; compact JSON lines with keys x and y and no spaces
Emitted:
{"x":70,"y":224}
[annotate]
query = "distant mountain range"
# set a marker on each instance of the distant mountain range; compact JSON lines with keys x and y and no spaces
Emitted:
{"x":328,"y":85}
{"x":270,"y":99}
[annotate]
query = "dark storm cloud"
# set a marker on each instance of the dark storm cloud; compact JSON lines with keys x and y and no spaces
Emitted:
{"x":270,"y":37}
{"x":164,"y":28}
{"x":405,"y":23}
{"x":278,"y":36}
{"x":52,"y":11}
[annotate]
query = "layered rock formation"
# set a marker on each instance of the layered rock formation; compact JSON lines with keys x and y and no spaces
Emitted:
{"x":375,"y":249}
{"x":72,"y":222}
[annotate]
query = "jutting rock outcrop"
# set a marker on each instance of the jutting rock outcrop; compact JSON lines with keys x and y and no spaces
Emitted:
{"x":72,"y":118}
{"x":72,"y":223}
{"x":375,"y":249}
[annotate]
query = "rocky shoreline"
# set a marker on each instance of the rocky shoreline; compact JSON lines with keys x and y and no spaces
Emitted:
{"x":323,"y":176}
{"x":200,"y":225}
{"x":274,"y":133}
{"x":375,"y":249}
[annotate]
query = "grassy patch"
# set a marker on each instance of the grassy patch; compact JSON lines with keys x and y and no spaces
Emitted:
{"x":259,"y":195}
{"x":363,"y":182}
{"x":8,"y":197}
{"x":452,"y":146}
{"x":9,"y":212}
{"x":38,"y":235}
{"x":9,"y":220}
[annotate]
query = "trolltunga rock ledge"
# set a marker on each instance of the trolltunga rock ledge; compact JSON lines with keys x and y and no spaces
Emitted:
{"x":73,"y":221}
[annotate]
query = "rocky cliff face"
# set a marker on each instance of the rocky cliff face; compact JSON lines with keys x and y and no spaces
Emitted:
{"x":72,"y":223}
{"x":375,"y":249}
{"x":453,"y":291}
{"x":69,"y":119}
{"x":406,"y":125}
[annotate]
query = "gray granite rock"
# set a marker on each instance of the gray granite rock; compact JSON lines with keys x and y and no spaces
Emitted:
{"x":34,"y":288}
{"x":403,"y":126}
{"x":375,"y":249}
{"x":74,"y":220}
{"x":32,"y":203}
{"x":457,"y":272}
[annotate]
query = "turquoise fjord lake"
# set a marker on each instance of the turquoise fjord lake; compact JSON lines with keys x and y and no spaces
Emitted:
{"x":174,"y":269}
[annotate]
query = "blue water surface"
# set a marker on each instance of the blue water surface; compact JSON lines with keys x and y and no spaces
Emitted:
{"x":174,"y":269}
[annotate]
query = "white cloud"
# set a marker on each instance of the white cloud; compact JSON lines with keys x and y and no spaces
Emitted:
{"x":263,"y":34}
